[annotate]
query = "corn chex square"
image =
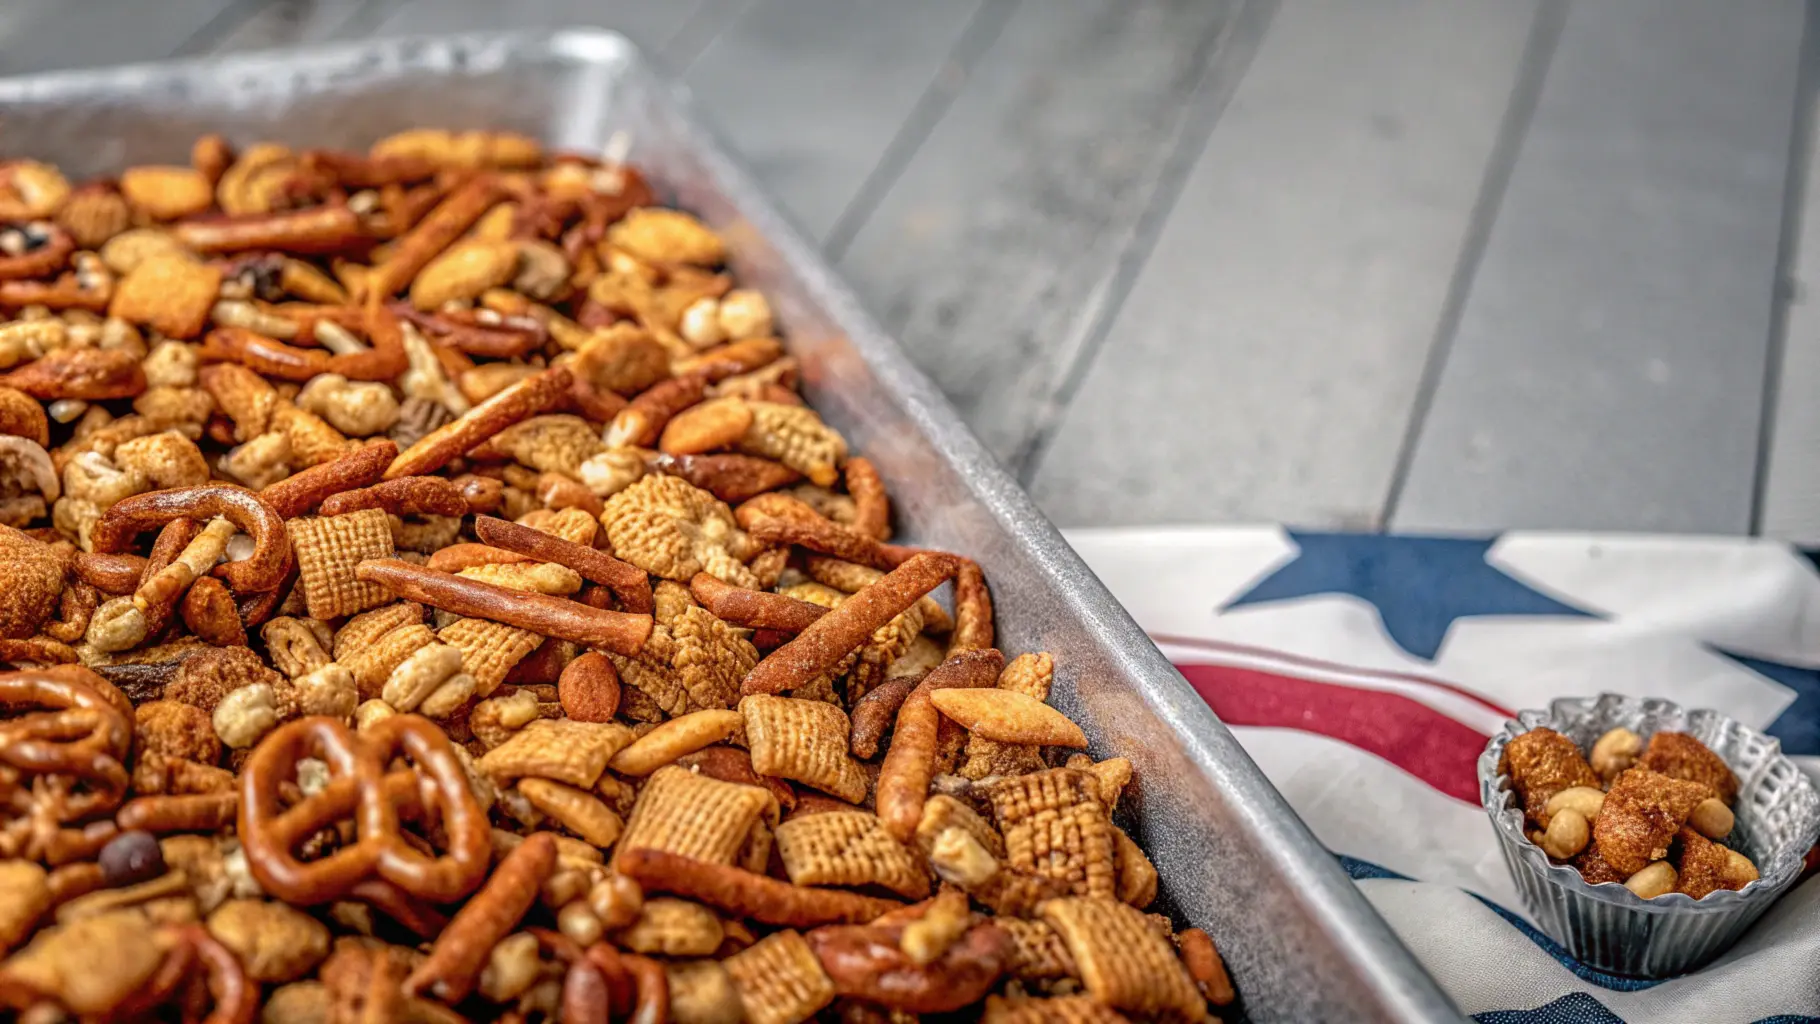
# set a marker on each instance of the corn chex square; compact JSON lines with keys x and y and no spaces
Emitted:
{"x":329,"y":549}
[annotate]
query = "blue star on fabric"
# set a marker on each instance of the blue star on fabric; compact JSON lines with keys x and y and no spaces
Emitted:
{"x":1798,"y":726}
{"x":1419,"y":585}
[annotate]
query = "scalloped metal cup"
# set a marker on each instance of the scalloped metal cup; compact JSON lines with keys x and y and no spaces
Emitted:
{"x":1613,"y":929}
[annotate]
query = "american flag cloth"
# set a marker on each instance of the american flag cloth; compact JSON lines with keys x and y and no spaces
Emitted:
{"x":1365,"y":674}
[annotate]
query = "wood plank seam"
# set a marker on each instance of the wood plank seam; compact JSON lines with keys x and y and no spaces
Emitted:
{"x":1225,"y":59}
{"x":974,"y":43}
{"x":1794,"y":205}
{"x":1526,"y":91}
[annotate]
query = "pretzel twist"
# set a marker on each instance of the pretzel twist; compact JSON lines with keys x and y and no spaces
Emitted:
{"x":866,"y":962}
{"x":69,"y":730}
{"x":360,"y":787}
{"x":263,"y":570}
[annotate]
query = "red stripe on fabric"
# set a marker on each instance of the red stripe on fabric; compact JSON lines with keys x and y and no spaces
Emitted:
{"x":1407,"y":733}
{"x":1333,"y":666}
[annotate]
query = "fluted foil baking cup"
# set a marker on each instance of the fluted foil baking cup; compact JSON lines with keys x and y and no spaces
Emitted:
{"x":1613,"y":929}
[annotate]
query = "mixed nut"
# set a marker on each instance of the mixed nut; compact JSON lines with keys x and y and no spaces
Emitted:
{"x":1652,"y":816}
{"x":430,"y":599}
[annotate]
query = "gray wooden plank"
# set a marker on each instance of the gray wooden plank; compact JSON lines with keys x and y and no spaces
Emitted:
{"x":993,"y":252}
{"x":1609,"y":364}
{"x":1263,"y":365}
{"x":652,"y":24}
{"x":287,"y":22}
{"x":1789,"y":505}
{"x":87,"y":33}
{"x":812,"y":92}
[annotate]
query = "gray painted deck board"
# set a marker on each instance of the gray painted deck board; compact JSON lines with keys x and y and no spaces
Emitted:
{"x":653,"y":24}
{"x":1609,"y":364}
{"x":1265,"y":362}
{"x":993,"y":252}
{"x":812,"y":93}
{"x":87,"y":33}
{"x":287,"y":22}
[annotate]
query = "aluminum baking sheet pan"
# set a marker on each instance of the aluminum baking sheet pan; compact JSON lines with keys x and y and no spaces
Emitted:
{"x":1299,"y":939}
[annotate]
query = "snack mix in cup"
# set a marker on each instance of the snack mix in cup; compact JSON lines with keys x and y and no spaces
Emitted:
{"x":1644,"y":838}
{"x":429,"y":598}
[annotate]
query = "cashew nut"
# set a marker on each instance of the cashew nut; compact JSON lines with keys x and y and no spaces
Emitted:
{"x":370,"y":713}
{"x":1584,"y":799}
{"x":701,"y":323}
{"x":744,"y":313}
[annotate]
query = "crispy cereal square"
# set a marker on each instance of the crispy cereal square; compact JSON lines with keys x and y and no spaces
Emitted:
{"x":328,"y":551}
{"x":170,"y":292}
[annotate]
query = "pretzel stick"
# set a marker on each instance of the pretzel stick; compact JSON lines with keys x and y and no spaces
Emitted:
{"x":435,"y":232}
{"x":627,"y":581}
{"x":110,"y":574}
{"x":405,"y":496}
{"x":198,"y":812}
{"x":320,"y":229}
{"x":619,"y":632}
{"x":455,"y":961}
{"x":903,"y":779}
{"x":521,"y":401}
{"x":972,"y":610}
{"x":730,"y":477}
{"x":781,"y":520}
{"x":745,"y":894}
{"x":872,"y":506}
{"x":754,"y":609}
{"x":828,"y":639}
{"x":875,"y":711}
{"x":303,"y":491}
{"x":457,"y":557}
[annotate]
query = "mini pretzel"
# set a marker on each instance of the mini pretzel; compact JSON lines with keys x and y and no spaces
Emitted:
{"x":67,"y":728}
{"x":317,"y":230}
{"x":91,"y":374}
{"x":454,"y":963}
{"x":972,"y":611}
{"x":520,"y":401}
{"x":263,"y":570}
{"x":619,"y":632}
{"x":1205,"y":966}
{"x":730,"y":477}
{"x":903,"y":780}
{"x":270,"y":833}
{"x":359,"y":171}
{"x":742,"y":893}
{"x":404,"y":496}
{"x":66,"y":292}
{"x":866,"y":962}
{"x":419,"y":917}
{"x":267,"y":356}
{"x":640,"y":422}
{"x":627,"y":581}
{"x":236,"y":996}
{"x":876,"y":711}
{"x":640,"y":989}
{"x":754,"y":609}
{"x":303,"y":491}
{"x":435,"y":232}
{"x":54,"y":253}
{"x":732,"y":359}
{"x":827,"y":640}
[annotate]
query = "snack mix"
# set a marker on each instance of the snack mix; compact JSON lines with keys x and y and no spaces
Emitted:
{"x":429,"y":599}
{"x":1650,"y":816}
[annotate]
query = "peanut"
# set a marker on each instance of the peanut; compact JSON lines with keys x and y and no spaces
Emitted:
{"x":1658,"y":879}
{"x":1712,"y":819}
{"x":1615,"y":751}
{"x":1584,"y":799}
{"x":1568,"y":834}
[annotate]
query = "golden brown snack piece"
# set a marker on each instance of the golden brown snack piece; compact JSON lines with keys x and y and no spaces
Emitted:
{"x":745,"y":894}
{"x":1681,"y":756}
{"x":1541,"y":763}
{"x":1123,"y":962}
{"x":538,"y":613}
{"x":903,"y":780}
{"x":1642,"y":813}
